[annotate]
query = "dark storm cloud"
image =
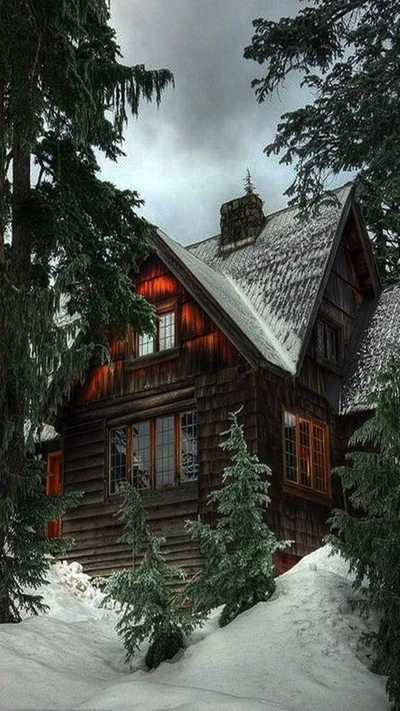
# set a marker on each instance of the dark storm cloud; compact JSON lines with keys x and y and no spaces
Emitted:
{"x":192,"y":154}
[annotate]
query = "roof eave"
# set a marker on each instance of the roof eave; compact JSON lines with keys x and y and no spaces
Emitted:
{"x":348,"y":205}
{"x":366,"y":247}
{"x":214,"y":310}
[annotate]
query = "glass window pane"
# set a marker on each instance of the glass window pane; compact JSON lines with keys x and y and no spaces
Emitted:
{"x":331,"y":349}
{"x":305,"y":453}
{"x":320,"y":338}
{"x":166,"y":332}
{"x":319,"y":461}
{"x":189,"y":465}
{"x":141,"y":455}
{"x":290,"y":447}
{"x":117,"y":460}
{"x":145,"y":344}
{"x":165,"y":451}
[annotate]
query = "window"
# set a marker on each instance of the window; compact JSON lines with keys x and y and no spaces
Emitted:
{"x":305,"y":451}
{"x":164,"y":336}
{"x":154,"y":453}
{"x":53,"y":487}
{"x":327,"y":341}
{"x":118,"y":442}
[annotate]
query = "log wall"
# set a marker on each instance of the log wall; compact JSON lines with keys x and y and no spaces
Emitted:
{"x":299,"y":516}
{"x":206,"y":373}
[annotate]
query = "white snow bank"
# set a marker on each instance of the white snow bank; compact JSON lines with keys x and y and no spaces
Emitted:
{"x":297,"y":651}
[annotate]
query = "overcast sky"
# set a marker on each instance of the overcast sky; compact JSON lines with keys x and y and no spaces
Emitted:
{"x":191,"y":155}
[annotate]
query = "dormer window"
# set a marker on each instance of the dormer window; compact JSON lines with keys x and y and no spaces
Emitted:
{"x":328,"y":344}
{"x":164,"y":337}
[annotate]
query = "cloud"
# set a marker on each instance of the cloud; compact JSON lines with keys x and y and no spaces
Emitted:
{"x":191,"y":155}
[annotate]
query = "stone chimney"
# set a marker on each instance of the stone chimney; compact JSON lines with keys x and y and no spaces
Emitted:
{"x":240,"y":221}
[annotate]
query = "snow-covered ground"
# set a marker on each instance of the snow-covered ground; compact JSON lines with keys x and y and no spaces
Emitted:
{"x":297,"y":651}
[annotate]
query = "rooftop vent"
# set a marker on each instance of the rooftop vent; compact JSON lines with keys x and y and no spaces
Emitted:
{"x":240,"y":221}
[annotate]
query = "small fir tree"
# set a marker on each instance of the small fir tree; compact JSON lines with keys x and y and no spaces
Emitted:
{"x":249,"y":188}
{"x":26,"y":555}
{"x":150,"y":609}
{"x":369,"y":538}
{"x":238,"y":551}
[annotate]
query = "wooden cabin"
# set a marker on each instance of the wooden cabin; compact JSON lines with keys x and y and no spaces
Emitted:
{"x":275,"y":316}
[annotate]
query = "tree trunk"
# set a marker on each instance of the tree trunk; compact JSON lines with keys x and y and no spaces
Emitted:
{"x":14,"y":358}
{"x":2,"y":175}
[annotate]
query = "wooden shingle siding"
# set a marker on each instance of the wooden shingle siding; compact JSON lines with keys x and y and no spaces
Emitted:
{"x":341,"y":301}
{"x":218,"y":394}
{"x":299,"y":516}
{"x":93,"y":524}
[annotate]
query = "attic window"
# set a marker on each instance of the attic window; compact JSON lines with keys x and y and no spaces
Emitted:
{"x":164,"y":337}
{"x":306,"y":463}
{"x":327,"y":345}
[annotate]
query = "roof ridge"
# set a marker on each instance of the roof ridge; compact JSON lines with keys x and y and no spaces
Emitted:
{"x":287,"y":208}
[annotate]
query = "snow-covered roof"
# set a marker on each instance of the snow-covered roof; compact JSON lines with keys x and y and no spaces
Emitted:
{"x":230,"y":298}
{"x":376,"y":340}
{"x":270,"y":288}
{"x":282,"y":270}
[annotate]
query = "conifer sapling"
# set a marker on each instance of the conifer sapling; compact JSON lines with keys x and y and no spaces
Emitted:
{"x":238,"y":550}
{"x":150,"y":609}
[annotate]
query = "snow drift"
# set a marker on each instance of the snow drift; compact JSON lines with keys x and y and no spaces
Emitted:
{"x":299,"y":650}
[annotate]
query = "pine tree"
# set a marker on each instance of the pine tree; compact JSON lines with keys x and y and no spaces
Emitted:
{"x":28,"y":552}
{"x":150,"y":608}
{"x":238,"y":550}
{"x":345,"y":53}
{"x":369,"y":538}
{"x":69,"y":241}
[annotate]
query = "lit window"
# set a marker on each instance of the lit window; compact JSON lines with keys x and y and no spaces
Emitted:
{"x":164,"y":336}
{"x":166,"y":331}
{"x":327,"y":341}
{"x":54,"y":487}
{"x":154,"y":453}
{"x":145,"y":344}
{"x":306,"y":463}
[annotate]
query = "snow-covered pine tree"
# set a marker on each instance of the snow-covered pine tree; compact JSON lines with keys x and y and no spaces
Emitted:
{"x":150,"y":608}
{"x":238,"y":551}
{"x":370,"y":538}
{"x":27,"y":552}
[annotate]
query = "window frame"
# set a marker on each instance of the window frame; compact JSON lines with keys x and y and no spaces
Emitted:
{"x":326,"y":355}
{"x":296,"y":486}
{"x":130,"y":450}
{"x":161,"y":309}
{"x":54,"y":486}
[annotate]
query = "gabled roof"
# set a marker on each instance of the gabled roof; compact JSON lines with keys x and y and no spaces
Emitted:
{"x":376,"y":339}
{"x":222,"y":296}
{"x":264,"y":295}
